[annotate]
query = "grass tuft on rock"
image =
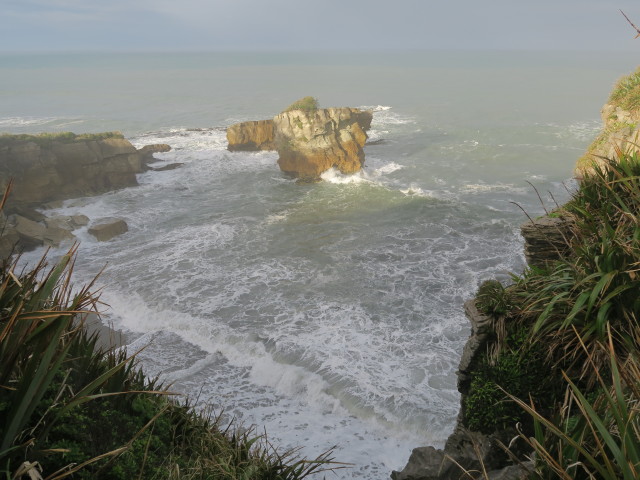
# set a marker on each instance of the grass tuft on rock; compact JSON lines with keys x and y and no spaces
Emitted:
{"x":306,"y":104}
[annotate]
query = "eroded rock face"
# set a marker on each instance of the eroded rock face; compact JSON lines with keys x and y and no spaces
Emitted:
{"x":251,"y":136}
{"x":311,"y":142}
{"x":62,"y":170}
{"x":546,"y":239}
{"x":46,"y":172}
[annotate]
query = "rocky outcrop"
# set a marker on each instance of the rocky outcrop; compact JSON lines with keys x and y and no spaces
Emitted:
{"x":311,"y":142}
{"x":251,"y":136}
{"x":621,"y":126}
{"x":547,"y":238}
{"x":56,"y":170}
{"x":108,"y":228}
{"x":465,"y":451}
{"x":55,"y":167}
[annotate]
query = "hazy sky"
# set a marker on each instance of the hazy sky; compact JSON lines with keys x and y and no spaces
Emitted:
{"x":44,"y":25}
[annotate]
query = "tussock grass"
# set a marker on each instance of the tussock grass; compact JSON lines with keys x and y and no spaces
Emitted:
{"x":307,"y":104}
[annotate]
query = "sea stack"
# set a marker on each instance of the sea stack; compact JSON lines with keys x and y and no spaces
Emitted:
{"x":309,"y":140}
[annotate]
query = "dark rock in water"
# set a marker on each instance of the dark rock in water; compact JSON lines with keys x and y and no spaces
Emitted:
{"x":108,"y":229}
{"x":547,"y":239}
{"x":154,"y":148}
{"x":33,"y":234}
{"x":251,"y":136}
{"x":164,"y":168}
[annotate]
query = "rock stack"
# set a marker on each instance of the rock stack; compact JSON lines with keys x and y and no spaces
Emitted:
{"x":309,"y":141}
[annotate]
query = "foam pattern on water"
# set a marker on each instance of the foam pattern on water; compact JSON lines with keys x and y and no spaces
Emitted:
{"x":328,"y":313}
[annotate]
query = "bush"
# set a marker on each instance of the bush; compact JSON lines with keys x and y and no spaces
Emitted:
{"x":307,"y":104}
{"x":519,"y":370}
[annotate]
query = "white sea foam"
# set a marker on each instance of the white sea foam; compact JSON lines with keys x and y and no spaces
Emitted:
{"x":8,"y":122}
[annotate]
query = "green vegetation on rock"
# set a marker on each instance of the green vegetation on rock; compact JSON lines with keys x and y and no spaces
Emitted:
{"x":626,"y":93}
{"x":307,"y":104}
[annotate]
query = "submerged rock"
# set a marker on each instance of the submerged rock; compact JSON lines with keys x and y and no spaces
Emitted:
{"x":108,"y":228}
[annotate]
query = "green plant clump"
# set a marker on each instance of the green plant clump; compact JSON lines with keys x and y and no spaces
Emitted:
{"x":307,"y":104}
{"x":519,"y":370}
{"x":626,"y":93}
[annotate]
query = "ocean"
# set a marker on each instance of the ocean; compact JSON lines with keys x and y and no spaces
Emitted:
{"x":328,"y":314}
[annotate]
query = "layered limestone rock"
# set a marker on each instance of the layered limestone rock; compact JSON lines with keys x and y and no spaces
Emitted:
{"x":311,"y":142}
{"x":49,"y":168}
{"x":56,"y":170}
{"x":547,"y":238}
{"x":251,"y":136}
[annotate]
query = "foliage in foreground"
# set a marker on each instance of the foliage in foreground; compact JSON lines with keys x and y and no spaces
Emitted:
{"x":70,"y":409}
{"x":582,"y":313}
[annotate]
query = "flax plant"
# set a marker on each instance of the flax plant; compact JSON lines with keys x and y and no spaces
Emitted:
{"x":597,"y":286}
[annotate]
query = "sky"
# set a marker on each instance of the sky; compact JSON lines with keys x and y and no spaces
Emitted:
{"x":213,"y":25}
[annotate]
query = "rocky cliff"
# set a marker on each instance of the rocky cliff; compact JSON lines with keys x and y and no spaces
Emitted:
{"x":620,"y":120}
{"x":52,"y":167}
{"x":251,"y":136}
{"x":309,"y":140}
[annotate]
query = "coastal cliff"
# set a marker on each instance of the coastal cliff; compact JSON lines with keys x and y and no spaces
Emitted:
{"x":620,"y":125}
{"x":53,"y":167}
{"x":309,"y":140}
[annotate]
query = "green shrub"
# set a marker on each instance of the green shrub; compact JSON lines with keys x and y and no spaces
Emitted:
{"x":520,"y":370}
{"x":493,"y":298}
{"x":307,"y":104}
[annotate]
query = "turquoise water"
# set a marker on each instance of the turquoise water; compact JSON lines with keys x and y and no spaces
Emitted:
{"x":328,"y":314}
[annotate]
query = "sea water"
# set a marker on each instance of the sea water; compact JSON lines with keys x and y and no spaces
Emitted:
{"x":328,"y":314}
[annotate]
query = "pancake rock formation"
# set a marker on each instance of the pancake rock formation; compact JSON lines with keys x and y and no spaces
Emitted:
{"x":54,"y":167}
{"x":251,"y":136}
{"x":309,"y":140}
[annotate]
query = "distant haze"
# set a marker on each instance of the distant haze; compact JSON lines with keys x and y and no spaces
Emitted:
{"x":160,"y":25}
